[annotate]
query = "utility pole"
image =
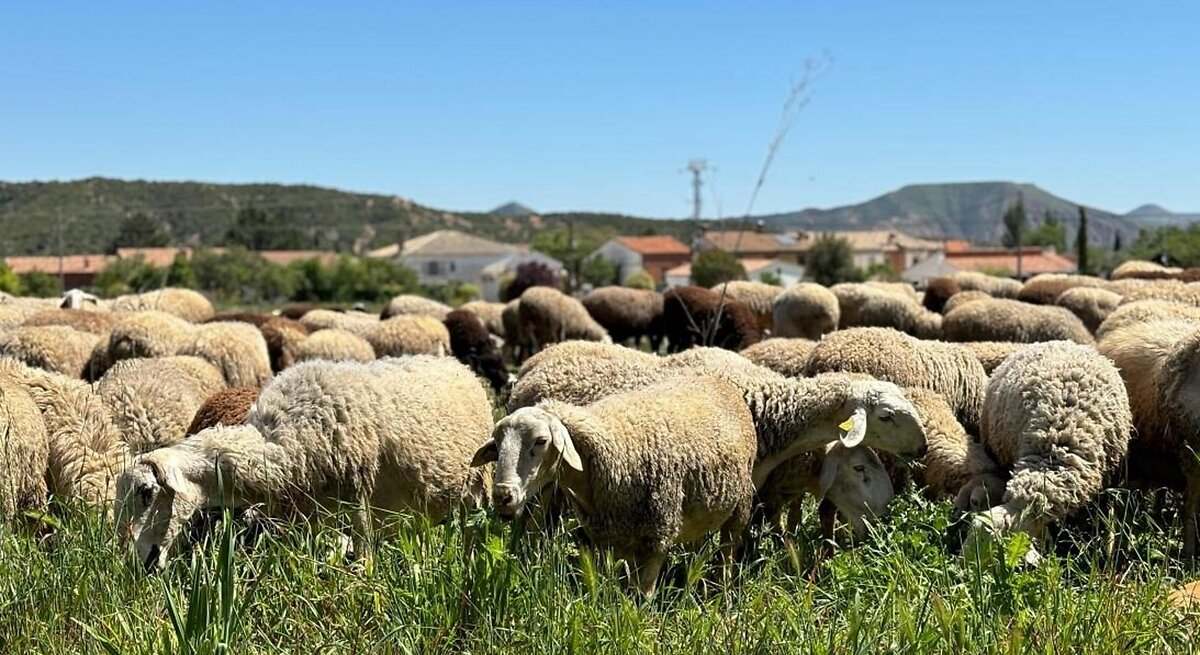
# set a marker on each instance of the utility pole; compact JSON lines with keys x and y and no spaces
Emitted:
{"x":62,"y":273}
{"x":697,"y":167}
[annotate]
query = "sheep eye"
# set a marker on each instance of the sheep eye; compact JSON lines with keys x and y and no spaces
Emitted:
{"x":859,"y":468}
{"x":541,"y":442}
{"x":886,"y":417}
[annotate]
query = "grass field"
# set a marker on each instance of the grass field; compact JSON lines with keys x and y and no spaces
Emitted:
{"x":475,"y":585}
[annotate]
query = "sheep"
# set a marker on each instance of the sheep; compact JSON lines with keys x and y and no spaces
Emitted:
{"x":85,"y":450}
{"x":408,"y":304}
{"x":472,"y":345}
{"x":627,"y":313}
{"x":1143,"y":270}
{"x":1091,"y":304}
{"x":14,"y":314}
{"x":758,"y":297}
{"x":283,"y":336}
{"x":854,"y":480}
{"x":238,"y":350}
{"x":992,"y":354}
{"x":183,"y":303}
{"x":324,"y":319}
{"x":863,"y":305}
{"x":697,"y":316}
{"x":961,"y":298}
{"x":153,"y":401}
{"x":408,"y":334}
{"x":899,"y":288}
{"x":516,"y":342}
{"x":997,"y":287}
{"x":225,"y":407}
{"x":784,"y":356}
{"x":491,"y":313}
{"x":1188,"y":294}
{"x":332,"y":345}
{"x":953,"y":456}
{"x":644,"y":469}
{"x":1159,"y":363}
{"x":1058,"y":419}
{"x":1045,"y":288}
{"x":1146,"y":310}
{"x":395,"y":434}
{"x":1012,"y":320}
{"x":80,"y":319}
{"x":24,"y":452}
{"x":550,"y":316}
{"x":938,"y":291}
{"x":80,"y":300}
{"x":896,"y":357}
{"x":806,"y":310}
{"x":147,"y":334}
{"x":54,"y":347}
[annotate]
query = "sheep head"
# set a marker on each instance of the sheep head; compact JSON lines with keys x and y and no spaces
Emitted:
{"x":528,"y":447}
{"x":78,"y":299}
{"x":856,"y":482}
{"x":881,"y":416}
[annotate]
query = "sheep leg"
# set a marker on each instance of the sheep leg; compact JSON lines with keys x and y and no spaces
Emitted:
{"x":828,"y":515}
{"x":1191,"y":513}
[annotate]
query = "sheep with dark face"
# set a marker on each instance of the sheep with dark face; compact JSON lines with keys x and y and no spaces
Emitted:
{"x":627,"y":313}
{"x":695,"y":316}
{"x":472,"y":345}
{"x":549,"y":316}
{"x":938,"y":291}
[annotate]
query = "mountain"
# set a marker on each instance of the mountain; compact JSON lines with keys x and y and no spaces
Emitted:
{"x":1152,"y":216}
{"x":967,"y":210}
{"x":512,"y":209}
{"x":1148,"y":210}
{"x":87,"y":213}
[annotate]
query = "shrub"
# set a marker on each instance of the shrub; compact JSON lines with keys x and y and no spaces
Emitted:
{"x":639,"y":279}
{"x":712,"y":267}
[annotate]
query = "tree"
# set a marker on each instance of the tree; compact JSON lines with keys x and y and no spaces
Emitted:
{"x":9,"y":281}
{"x":1117,"y":242}
{"x":1081,"y":242}
{"x":571,"y":246}
{"x":639,"y":279}
{"x":770,"y":277}
{"x":128,"y":275}
{"x":180,"y":273}
{"x":1014,"y":224}
{"x":1052,"y":232}
{"x":712,"y":267}
{"x":140,"y":231}
{"x":831,"y":260}
{"x":255,"y":229}
{"x":598,"y":271}
{"x":41,"y":285}
{"x":529,"y":274}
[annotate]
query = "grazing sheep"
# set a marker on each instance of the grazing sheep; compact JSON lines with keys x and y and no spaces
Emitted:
{"x":1045,"y":288}
{"x":473,"y":346}
{"x":395,"y":434}
{"x":409,"y":334}
{"x":961,"y":298}
{"x":410,"y":305}
{"x":854,"y":480}
{"x":953,"y":457}
{"x":24,"y":452}
{"x":863,"y":305}
{"x":807,"y":310}
{"x":997,"y":287}
{"x":153,"y":401}
{"x":1057,"y":418}
{"x":1013,"y":320}
{"x":1188,"y":293}
{"x":938,"y":291}
{"x":253,"y":318}
{"x":695,"y":316}
{"x":147,"y":334}
{"x":333,"y":345}
{"x":550,"y":316}
{"x":14,"y":314}
{"x":296,"y":311}
{"x":896,"y":357}
{"x":225,"y":407}
{"x":55,"y":348}
{"x":80,"y":319}
{"x":516,"y":342}
{"x":1144,"y":311}
{"x":80,"y":300}
{"x":1160,"y":364}
{"x":283,"y":336}
{"x":644,"y":470}
{"x":1091,"y":304}
{"x":1143,"y":270}
{"x":183,"y":303}
{"x":325,"y":319}
{"x":784,"y":356}
{"x":85,"y":451}
{"x":992,"y":354}
{"x":627,"y":313}
{"x":491,"y":313}
{"x":238,"y":350}
{"x":758,"y":297}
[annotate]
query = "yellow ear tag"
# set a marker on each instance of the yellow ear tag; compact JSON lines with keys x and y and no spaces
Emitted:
{"x":847,"y":424}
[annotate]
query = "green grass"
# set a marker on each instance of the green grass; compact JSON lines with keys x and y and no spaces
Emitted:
{"x":477,"y":586}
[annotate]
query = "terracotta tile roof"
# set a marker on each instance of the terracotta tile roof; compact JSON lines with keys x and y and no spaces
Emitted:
{"x":284,"y":257}
{"x":72,"y":264}
{"x":1034,"y":260}
{"x":750,"y":241}
{"x":655,"y":245}
{"x":885,"y":240}
{"x":158,"y":257}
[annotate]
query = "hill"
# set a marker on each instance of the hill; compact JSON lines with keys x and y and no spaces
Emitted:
{"x":969,"y":210}
{"x":512,"y":209}
{"x":87,"y":214}
{"x":1152,"y":215}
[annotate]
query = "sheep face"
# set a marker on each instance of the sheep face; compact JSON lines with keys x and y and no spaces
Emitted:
{"x":856,"y":482}
{"x":528,"y":447}
{"x":78,"y":299}
{"x":885,"y":419}
{"x":155,"y":502}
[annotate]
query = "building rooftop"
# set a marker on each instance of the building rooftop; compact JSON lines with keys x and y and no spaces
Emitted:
{"x":655,"y":245}
{"x":446,"y":243}
{"x":737,"y":241}
{"x":71,"y":264}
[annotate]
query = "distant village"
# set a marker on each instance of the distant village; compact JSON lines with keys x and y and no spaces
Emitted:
{"x":452,"y":256}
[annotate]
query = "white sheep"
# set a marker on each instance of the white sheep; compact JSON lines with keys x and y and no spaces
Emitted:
{"x":152,"y":401}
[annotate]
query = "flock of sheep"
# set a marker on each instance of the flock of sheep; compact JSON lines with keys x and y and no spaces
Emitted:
{"x":1017,"y":402}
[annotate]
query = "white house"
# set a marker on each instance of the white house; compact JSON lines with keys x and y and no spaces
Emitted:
{"x":451,"y":256}
{"x":895,"y":249}
{"x":785,"y":272}
{"x":654,"y":254}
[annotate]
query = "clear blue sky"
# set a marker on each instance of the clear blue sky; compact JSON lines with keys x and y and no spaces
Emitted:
{"x":570,"y":105}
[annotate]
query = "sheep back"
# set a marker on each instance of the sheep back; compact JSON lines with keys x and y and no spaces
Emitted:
{"x":807,"y":310}
{"x":1013,"y":320}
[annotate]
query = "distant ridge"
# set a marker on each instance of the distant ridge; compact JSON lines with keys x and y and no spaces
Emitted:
{"x":1151,"y":215}
{"x":512,"y":209}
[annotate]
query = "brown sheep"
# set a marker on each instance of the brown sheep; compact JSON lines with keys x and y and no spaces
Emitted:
{"x":225,"y":407}
{"x":691,"y":315}
{"x":938,"y":291}
{"x":627,"y":313}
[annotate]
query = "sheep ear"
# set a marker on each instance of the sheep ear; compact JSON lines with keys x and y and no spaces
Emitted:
{"x":167,"y":476}
{"x":829,"y":471}
{"x":565,"y":445}
{"x":486,"y":453}
{"x":854,"y":429}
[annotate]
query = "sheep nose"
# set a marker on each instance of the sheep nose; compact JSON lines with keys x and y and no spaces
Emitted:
{"x":504,"y":498}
